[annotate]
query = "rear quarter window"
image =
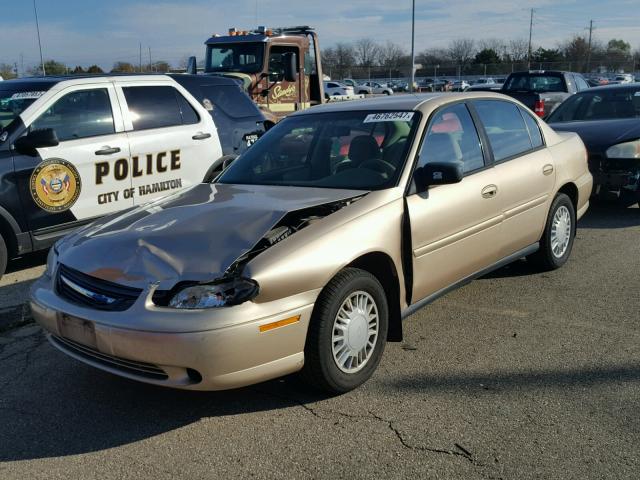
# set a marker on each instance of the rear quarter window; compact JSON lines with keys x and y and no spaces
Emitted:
{"x":230,"y":99}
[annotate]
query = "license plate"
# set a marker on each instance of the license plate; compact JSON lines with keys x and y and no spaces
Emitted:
{"x":250,"y":139}
{"x":77,"y":329}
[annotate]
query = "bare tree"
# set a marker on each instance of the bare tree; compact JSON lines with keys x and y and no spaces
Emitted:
{"x":518,"y":49}
{"x":391,"y":56}
{"x":345,"y":59}
{"x":496,"y":44}
{"x":366,"y":52}
{"x":7,"y":71}
{"x":462,"y":50}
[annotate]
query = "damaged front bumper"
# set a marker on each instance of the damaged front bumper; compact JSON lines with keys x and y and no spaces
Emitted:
{"x":208,"y":349}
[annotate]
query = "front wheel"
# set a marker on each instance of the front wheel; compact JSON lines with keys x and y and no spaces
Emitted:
{"x":347,"y":333}
{"x":557,"y":240}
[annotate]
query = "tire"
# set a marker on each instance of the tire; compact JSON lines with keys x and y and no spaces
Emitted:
{"x":3,"y":256}
{"x":560,"y":227}
{"x":217,"y":167}
{"x":362,"y":92}
{"x":326,"y":97}
{"x":341,"y":372}
{"x":387,"y":92}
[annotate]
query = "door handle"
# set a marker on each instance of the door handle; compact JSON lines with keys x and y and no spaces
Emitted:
{"x":489,"y":191}
{"x":107,"y":150}
{"x":201,"y":136}
{"x":547,"y":169}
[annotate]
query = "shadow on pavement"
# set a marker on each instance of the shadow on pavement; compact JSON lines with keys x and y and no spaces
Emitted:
{"x":58,"y":407}
{"x":500,"y":382}
{"x":609,"y":215}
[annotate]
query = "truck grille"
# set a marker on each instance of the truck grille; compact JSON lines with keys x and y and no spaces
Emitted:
{"x":89,"y":291}
{"x":131,"y":367}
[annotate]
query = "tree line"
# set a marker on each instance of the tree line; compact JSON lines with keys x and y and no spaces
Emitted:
{"x":53,"y":67}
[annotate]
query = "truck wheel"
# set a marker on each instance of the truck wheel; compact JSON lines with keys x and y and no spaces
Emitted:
{"x":347,"y":332}
{"x":217,"y":167}
{"x":558,"y":236}
{"x":3,"y":256}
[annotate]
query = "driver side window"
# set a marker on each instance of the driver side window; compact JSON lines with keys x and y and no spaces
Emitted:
{"x":79,"y":114}
{"x":451,"y":137}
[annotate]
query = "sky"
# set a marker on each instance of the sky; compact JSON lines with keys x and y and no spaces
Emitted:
{"x":83,"y":32}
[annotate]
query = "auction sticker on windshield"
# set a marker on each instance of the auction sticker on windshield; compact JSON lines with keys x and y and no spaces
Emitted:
{"x":389,"y":117}
{"x":25,"y":95}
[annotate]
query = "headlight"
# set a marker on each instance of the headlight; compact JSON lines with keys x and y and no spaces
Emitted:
{"x":625,"y":150}
{"x":221,"y":294}
{"x":52,"y":259}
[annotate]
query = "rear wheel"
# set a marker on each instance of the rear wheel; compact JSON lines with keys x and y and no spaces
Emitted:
{"x":3,"y":256}
{"x":347,"y":333}
{"x":557,"y":240}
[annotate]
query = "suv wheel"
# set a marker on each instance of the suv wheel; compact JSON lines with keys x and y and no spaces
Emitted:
{"x":347,"y":333}
{"x":557,"y":240}
{"x":3,"y":256}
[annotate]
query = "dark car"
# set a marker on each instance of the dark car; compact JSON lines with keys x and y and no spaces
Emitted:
{"x":542,"y":91}
{"x":608,"y":121}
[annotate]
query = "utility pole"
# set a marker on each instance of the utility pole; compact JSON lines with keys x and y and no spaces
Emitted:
{"x":530,"y":35}
{"x":150,"y":64}
{"x":413,"y":51}
{"x":22,"y":64}
{"x":140,"y":57}
{"x":589,"y":50}
{"x":35,"y":11}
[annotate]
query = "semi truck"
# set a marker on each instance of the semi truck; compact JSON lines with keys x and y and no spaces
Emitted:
{"x":279,"y":68}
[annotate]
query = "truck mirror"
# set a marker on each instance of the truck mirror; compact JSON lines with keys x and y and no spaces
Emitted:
{"x":192,"y":66}
{"x":27,"y":144}
{"x":290,"y":67}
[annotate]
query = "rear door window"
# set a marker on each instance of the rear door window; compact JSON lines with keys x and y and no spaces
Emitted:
{"x":505,"y":128}
{"x":230,"y":99}
{"x":158,"y":106}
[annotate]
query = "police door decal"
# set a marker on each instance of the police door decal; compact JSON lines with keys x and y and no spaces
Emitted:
{"x":55,"y":185}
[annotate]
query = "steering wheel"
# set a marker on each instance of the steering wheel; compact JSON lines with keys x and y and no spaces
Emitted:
{"x":379,"y":166}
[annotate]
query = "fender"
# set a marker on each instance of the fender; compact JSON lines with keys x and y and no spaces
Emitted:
{"x":21,"y":242}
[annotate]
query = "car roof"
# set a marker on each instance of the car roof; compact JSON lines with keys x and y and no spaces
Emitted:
{"x":614,"y":86}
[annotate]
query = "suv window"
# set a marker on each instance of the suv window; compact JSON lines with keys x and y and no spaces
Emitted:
{"x":157,"y":107}
{"x":452,"y":136}
{"x":79,"y":114}
{"x":533,"y":128}
{"x":230,"y":99}
{"x":581,"y":83}
{"x":505,"y":128}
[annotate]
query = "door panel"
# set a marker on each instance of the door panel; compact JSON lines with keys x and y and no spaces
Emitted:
{"x":84,"y":125}
{"x":527,"y":183}
{"x":455,"y":232}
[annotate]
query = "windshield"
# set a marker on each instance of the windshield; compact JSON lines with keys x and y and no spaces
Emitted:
{"x":15,"y":100}
{"x":236,"y":57}
{"x":526,"y":82}
{"x":599,"y":105}
{"x":349,"y":150}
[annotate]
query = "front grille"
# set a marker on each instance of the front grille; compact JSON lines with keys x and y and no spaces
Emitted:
{"x":132,"y":367}
{"x":98,"y":294}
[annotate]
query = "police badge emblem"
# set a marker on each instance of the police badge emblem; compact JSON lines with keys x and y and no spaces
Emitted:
{"x":55,"y":185}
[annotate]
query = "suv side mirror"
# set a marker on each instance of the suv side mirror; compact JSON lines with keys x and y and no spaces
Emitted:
{"x":438,"y":173}
{"x":27,"y":144}
{"x":290,"y":67}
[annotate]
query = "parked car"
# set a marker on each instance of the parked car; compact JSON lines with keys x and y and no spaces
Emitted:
{"x":302,"y":258}
{"x":358,"y":88}
{"x":485,"y":87}
{"x":460,"y":86}
{"x":542,"y":91}
{"x":483,"y":81}
{"x":399,"y":86}
{"x":608,"y":121}
{"x":79,"y":147}
{"x":378,"y":88}
{"x":624,"y":78}
{"x":336,"y":88}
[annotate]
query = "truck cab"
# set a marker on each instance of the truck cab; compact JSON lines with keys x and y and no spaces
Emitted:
{"x":279,"y":68}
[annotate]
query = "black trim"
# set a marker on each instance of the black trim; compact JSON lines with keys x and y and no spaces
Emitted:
{"x":45,"y":237}
{"x":501,"y":263}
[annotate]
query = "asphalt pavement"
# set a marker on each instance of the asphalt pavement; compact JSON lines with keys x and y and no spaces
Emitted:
{"x":518,"y":375}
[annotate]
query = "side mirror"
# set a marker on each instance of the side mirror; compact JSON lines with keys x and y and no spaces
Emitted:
{"x":290,"y":67}
{"x":438,"y":173}
{"x":192,"y":66}
{"x":42,"y":138}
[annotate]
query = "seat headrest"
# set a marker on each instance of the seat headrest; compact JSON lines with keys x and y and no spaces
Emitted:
{"x":363,"y":147}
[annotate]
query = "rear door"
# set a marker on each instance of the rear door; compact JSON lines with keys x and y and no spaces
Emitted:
{"x":525,"y":168}
{"x":455,"y":229}
{"x":172,"y":140}
{"x":59,"y":185}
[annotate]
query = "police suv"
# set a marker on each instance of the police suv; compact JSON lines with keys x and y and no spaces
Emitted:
{"x":76,"y":148}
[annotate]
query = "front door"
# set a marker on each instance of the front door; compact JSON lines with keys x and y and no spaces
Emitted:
{"x":62,"y":185}
{"x":283,"y":96}
{"x":455,"y":229}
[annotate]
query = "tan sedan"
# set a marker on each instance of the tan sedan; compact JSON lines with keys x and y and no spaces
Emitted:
{"x":311,"y":248}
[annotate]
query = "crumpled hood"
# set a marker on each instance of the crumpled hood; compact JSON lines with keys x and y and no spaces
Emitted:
{"x":598,"y":135}
{"x":193,"y":235}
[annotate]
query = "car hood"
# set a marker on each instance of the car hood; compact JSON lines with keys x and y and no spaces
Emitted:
{"x":598,"y":135}
{"x":193,"y":235}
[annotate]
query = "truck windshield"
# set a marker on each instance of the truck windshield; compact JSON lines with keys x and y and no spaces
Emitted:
{"x":14,"y":100}
{"x":536,"y":82}
{"x":361,"y":150}
{"x":236,"y":57}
